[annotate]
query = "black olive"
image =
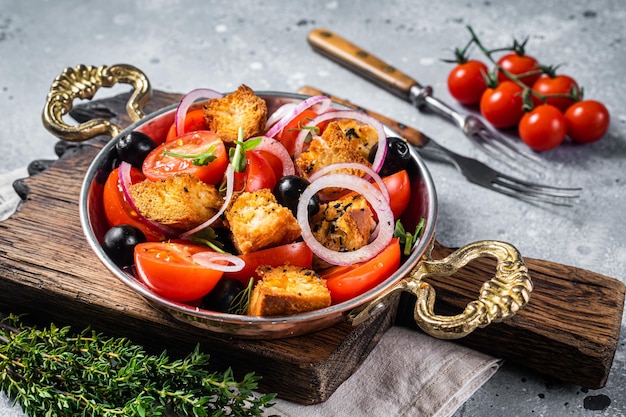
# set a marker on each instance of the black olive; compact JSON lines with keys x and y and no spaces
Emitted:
{"x":119,"y":243}
{"x":134,"y":147}
{"x":222,"y":295}
{"x":398,"y":156}
{"x":288,"y":190}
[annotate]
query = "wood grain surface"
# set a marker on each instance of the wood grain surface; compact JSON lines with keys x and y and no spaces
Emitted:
{"x":568,"y":331}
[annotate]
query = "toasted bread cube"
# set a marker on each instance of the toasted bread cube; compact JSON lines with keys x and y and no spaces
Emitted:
{"x":331,"y":148}
{"x":257,"y":221}
{"x":363,"y":137}
{"x":241,"y":108}
{"x":344,"y":225}
{"x":181,"y":201}
{"x":287,"y":290}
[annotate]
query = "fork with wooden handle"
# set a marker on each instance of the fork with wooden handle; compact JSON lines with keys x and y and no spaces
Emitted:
{"x":474,"y":170}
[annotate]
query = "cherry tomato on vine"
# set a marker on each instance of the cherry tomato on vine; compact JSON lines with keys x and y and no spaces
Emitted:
{"x":587,"y":121}
{"x":502,"y":106}
{"x":466,"y":82}
{"x":168,"y":269}
{"x":519,"y":64}
{"x":180,"y":154}
{"x":543,"y":128}
{"x":559,"y":84}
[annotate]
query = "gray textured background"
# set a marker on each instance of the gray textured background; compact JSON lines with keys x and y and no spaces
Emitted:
{"x":183,"y":45}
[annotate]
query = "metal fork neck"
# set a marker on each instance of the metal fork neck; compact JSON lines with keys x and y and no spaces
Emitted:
{"x":422,"y":97}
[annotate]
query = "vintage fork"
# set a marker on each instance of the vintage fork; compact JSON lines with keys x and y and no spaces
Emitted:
{"x":379,"y":72}
{"x":475,"y":171}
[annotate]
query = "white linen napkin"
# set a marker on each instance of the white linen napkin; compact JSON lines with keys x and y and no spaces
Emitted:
{"x":407,"y":374}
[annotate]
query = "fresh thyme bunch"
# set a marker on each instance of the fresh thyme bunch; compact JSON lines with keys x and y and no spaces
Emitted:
{"x":52,"y":372}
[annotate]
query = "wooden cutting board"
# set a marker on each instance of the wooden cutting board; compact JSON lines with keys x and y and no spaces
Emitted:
{"x":568,"y":331}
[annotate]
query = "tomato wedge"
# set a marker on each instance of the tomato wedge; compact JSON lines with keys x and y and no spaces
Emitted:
{"x":399,"y":187}
{"x":117,"y":210}
{"x":168,"y":269}
{"x":297,"y":254}
{"x":259,"y":174}
{"x":179,"y":155}
{"x":347,"y":282}
{"x":290,"y":132}
{"x":194,"y":120}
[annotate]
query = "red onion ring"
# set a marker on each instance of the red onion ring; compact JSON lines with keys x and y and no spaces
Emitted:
{"x":377,"y":202}
{"x":353,"y":165}
{"x":277,"y":149}
{"x":359,"y":116}
{"x":324,"y":101}
{"x":230,"y":185}
{"x":215,"y":260}
{"x":281,"y":112}
{"x":125,"y":183}
{"x":186,"y":102}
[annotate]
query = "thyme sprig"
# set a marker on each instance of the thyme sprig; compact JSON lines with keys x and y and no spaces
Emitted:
{"x":52,"y":372}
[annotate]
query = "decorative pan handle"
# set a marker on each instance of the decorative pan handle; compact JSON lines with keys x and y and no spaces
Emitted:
{"x":500,"y":298}
{"x":82,"y":82}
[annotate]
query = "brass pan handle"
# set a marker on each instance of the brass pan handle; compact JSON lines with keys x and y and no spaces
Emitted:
{"x":82,"y":82}
{"x":500,"y":297}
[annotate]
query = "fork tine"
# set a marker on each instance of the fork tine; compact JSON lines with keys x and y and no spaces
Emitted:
{"x":533,"y":198}
{"x":524,"y":190}
{"x":505,"y":146}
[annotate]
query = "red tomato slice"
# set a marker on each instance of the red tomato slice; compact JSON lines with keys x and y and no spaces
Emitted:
{"x":194,"y":120}
{"x":117,"y":210}
{"x":167,"y":268}
{"x":259,"y":174}
{"x":399,"y":187}
{"x":158,"y":165}
{"x":290,"y":132}
{"x":297,"y":254}
{"x":275,"y":163}
{"x":347,"y":282}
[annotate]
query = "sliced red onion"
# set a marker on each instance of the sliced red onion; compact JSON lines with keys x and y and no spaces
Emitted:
{"x":324,"y":102}
{"x":125,"y":183}
{"x":281,"y":112}
{"x":277,"y":149}
{"x":219,"y":261}
{"x":376,"y":201}
{"x":353,"y":165}
{"x":230,"y":181}
{"x":186,"y":102}
{"x":360,"y":117}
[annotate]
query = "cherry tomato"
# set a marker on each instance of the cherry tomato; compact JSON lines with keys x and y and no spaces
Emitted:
{"x":168,"y":269}
{"x":297,"y":254}
{"x":399,"y":187}
{"x":519,"y":64}
{"x":543,"y":128}
{"x":274,"y":161}
{"x":502,"y":106}
{"x":117,"y":210}
{"x":160,"y":163}
{"x":587,"y":121}
{"x":290,"y":132}
{"x":466,"y":82}
{"x":347,"y":282}
{"x":194,"y":120}
{"x":258,"y":174}
{"x":559,"y":84}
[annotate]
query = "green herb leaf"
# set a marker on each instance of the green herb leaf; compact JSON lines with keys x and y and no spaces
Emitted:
{"x":237,"y":155}
{"x":53,"y":372}
{"x":208,"y":237}
{"x":408,"y":240}
{"x":200,"y":159}
{"x":240,"y":303}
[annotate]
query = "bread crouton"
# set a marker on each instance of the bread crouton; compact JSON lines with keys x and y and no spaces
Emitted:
{"x":344,"y":225}
{"x":362,"y":137}
{"x":286,"y":290}
{"x":258,"y":221}
{"x":331,"y":148}
{"x":181,"y":201}
{"x":241,"y":108}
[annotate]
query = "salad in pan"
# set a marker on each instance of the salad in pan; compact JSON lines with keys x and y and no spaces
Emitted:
{"x":241,"y":211}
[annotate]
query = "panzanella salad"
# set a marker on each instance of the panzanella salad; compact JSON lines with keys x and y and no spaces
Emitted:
{"x":244,"y":212}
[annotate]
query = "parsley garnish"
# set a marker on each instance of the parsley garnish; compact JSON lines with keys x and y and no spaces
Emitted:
{"x":199,"y":159}
{"x":408,"y":240}
{"x":208,"y":237}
